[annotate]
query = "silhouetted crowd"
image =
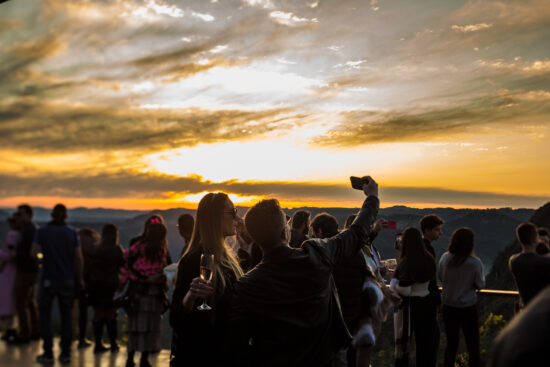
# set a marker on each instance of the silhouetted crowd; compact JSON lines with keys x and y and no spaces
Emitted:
{"x":266,"y":290}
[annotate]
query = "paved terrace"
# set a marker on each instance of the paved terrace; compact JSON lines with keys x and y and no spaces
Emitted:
{"x":24,"y":356}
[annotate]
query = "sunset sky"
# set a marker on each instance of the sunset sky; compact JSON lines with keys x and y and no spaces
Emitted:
{"x":150,"y":104}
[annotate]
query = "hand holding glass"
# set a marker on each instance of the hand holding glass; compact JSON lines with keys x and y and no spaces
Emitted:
{"x":392,"y":264}
{"x":207,"y":262}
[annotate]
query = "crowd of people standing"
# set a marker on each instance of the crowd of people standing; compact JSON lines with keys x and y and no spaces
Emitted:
{"x":290,"y":291}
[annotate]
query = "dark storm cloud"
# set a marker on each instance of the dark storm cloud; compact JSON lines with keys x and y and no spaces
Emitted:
{"x":371,"y":127}
{"x":47,"y":127}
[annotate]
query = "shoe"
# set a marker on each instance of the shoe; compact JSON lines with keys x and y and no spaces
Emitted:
{"x":144,"y":362}
{"x":45,"y":359}
{"x":100,"y":348}
{"x":65,"y":358}
{"x":84,"y":344}
{"x":18,"y":340}
{"x":113,"y":332}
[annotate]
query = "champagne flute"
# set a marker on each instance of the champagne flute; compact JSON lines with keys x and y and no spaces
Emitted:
{"x":207,"y":262}
{"x":392,"y":264}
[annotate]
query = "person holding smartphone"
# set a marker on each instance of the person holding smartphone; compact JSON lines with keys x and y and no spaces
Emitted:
{"x":285,"y":311}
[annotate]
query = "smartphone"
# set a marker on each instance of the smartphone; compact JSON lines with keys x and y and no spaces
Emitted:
{"x":391,"y":224}
{"x":357,"y":183}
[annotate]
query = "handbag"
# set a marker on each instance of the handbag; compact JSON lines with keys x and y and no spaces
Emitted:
{"x":124,"y":296}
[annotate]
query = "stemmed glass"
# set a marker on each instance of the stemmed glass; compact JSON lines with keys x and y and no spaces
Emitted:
{"x":392,"y":264}
{"x":207,"y":263}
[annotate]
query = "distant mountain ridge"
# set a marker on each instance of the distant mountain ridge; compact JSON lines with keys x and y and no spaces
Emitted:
{"x":494,"y":228}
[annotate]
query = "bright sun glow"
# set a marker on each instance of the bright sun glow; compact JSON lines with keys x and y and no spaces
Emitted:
{"x":276,"y":160}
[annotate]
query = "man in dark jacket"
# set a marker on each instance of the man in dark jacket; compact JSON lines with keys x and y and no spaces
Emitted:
{"x":285,"y":312}
{"x":431,"y":225}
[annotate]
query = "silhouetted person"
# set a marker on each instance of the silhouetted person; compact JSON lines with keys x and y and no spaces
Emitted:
{"x":186,"y":222}
{"x":145,"y":261}
{"x":61,"y":268}
{"x":531,"y":271}
{"x":415,"y":269}
{"x":88,"y":239}
{"x":103,"y":281}
{"x":153,"y":219}
{"x":462,"y":274}
{"x":26,"y":279}
{"x":359,"y":279}
{"x":324,"y":225}
{"x":300,"y":228}
{"x":543,"y":247}
{"x":8,"y":270}
{"x":431,"y":225}
{"x":524,"y":341}
{"x":349,"y":277}
{"x":285,"y":311}
{"x":198,"y":334}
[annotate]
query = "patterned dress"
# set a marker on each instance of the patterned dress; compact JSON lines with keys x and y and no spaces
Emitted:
{"x":145,"y":321}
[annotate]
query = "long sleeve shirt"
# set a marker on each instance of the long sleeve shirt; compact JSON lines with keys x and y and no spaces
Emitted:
{"x":460,"y":281}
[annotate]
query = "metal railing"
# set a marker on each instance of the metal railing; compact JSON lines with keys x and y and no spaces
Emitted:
{"x":494,"y":292}
{"x":497,"y":292}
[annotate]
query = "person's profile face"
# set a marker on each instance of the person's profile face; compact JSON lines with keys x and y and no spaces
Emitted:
{"x":229,"y":219}
{"x":434,"y":233}
{"x":545,"y":239}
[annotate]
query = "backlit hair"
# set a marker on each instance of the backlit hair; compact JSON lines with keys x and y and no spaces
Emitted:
{"x":208,"y":237}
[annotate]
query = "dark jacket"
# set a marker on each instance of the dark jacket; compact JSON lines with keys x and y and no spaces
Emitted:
{"x":197,"y":338}
{"x":23,"y":260}
{"x":296,"y":238}
{"x":434,"y":290}
{"x":287,"y":306}
{"x":349,"y":277}
{"x":249,"y":261}
{"x":103,"y":272}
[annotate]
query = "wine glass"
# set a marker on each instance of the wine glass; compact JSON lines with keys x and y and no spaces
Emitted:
{"x":392,"y":264}
{"x":207,"y":262}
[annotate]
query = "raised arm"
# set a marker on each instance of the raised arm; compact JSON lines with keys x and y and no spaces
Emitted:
{"x":347,"y":243}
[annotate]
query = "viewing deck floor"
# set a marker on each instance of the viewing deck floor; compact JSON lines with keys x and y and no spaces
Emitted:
{"x":25,"y":356}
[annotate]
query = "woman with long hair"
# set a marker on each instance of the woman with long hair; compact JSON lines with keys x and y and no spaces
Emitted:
{"x":415,"y":268}
{"x":461,"y":273}
{"x":198,"y":334}
{"x":152,"y":219}
{"x":106,"y":265}
{"x":144,"y":264}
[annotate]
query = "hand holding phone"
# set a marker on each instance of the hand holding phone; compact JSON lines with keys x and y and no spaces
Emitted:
{"x":390,"y":224}
{"x":358,"y":183}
